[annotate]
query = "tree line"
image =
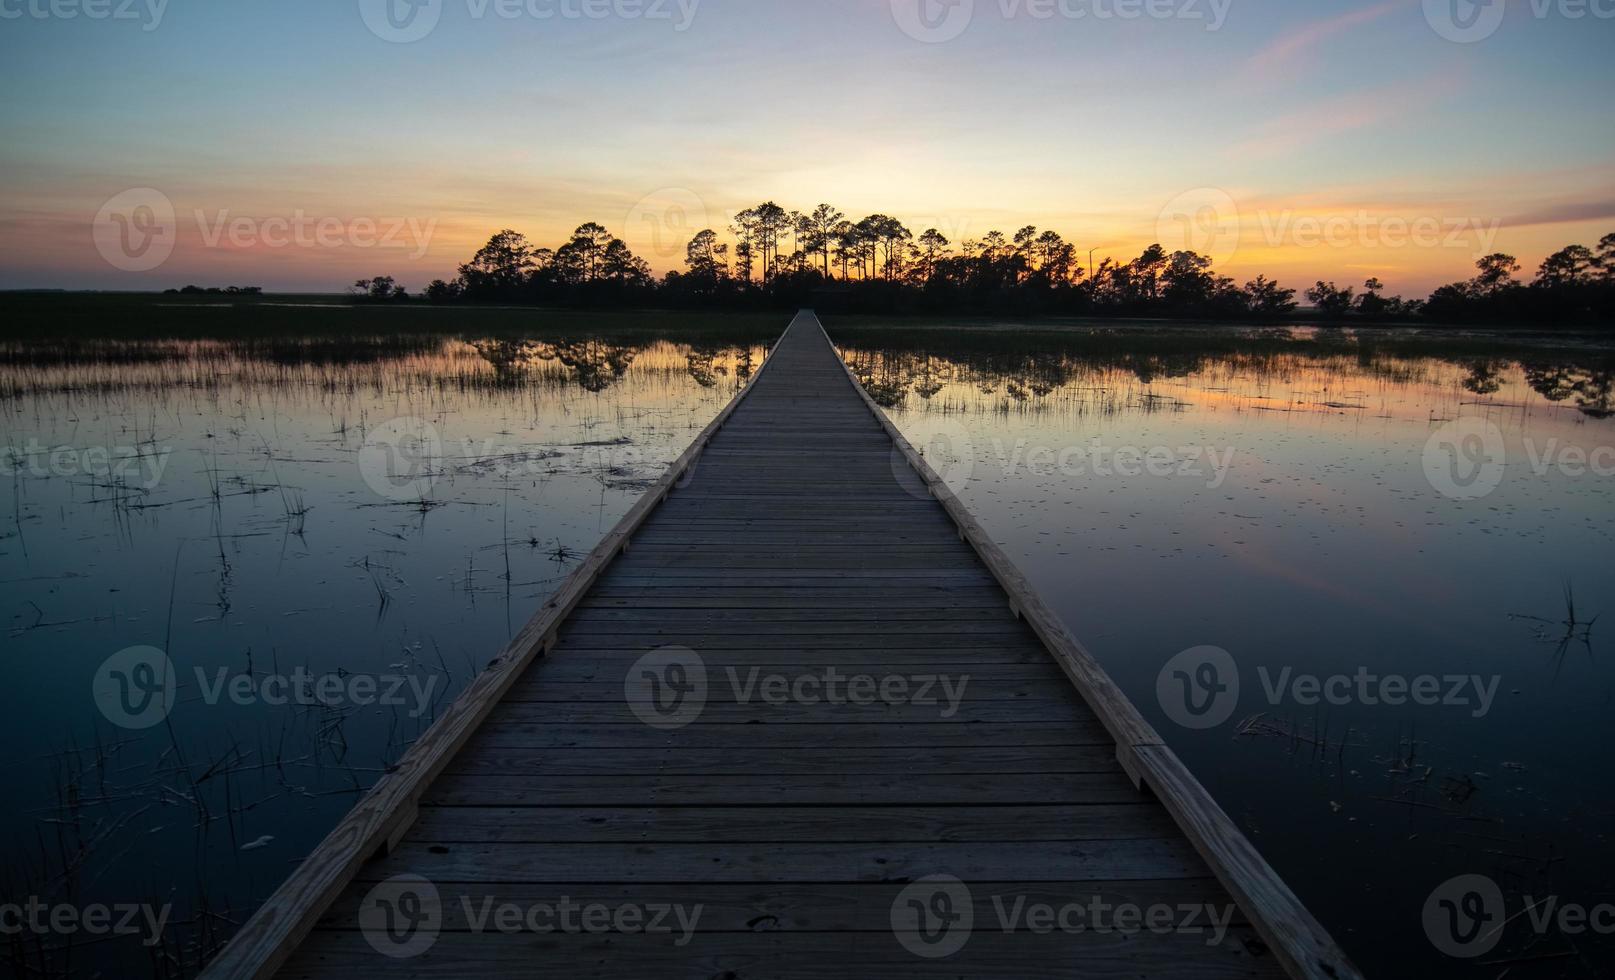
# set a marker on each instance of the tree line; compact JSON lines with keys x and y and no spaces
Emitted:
{"x":776,"y":257}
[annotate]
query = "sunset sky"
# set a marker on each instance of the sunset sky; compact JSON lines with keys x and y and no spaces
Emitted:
{"x":1115,"y":132}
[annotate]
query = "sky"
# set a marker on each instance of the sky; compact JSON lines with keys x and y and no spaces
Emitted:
{"x":300,"y":144}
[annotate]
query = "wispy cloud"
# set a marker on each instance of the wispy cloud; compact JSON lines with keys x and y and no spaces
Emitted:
{"x":1563,"y":213}
{"x":1332,"y":117}
{"x":1286,"y":49}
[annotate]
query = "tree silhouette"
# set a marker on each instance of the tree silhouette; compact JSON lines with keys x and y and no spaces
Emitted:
{"x":1267,"y":298}
{"x":1329,"y":299}
{"x":1574,"y":265}
{"x":933,"y":247}
{"x":818,"y":232}
{"x":1496,"y":273}
{"x":500,"y":267}
{"x":885,"y":268}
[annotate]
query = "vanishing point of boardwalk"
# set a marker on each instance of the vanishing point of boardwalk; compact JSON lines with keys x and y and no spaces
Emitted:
{"x":795,"y":539}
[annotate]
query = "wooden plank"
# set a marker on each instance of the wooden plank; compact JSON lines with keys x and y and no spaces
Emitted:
{"x":534,"y":728}
{"x":989,"y":955}
{"x":751,"y":685}
{"x":573,"y":670}
{"x":873,"y":824}
{"x":730,"y":790}
{"x":767,"y":863}
{"x":777,"y":761}
{"x":826,"y":714}
{"x":809,"y":907}
{"x":802,"y":612}
{"x":876,"y":642}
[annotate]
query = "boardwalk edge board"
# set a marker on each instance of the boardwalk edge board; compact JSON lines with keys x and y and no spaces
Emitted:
{"x":378,"y":822}
{"x":1299,"y":941}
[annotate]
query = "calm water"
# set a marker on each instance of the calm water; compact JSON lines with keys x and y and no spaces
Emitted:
{"x":326,"y":538}
{"x":1318,"y":506}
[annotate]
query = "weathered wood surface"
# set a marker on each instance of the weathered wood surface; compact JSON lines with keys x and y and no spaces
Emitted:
{"x":804,"y":543}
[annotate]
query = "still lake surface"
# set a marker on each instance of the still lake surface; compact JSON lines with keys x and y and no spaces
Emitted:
{"x":1316,"y":504}
{"x":230,"y":503}
{"x":1377,"y":509}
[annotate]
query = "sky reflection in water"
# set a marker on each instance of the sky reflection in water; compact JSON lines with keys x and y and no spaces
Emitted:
{"x":1282,"y":500}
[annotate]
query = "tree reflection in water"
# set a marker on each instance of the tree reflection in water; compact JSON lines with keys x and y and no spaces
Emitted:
{"x":1023,"y":378}
{"x":1590,"y":387}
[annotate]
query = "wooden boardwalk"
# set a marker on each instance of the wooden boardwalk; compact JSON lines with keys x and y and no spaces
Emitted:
{"x":798,"y":541}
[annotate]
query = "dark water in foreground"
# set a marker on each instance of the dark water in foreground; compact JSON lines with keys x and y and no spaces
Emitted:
{"x":327,"y":539}
{"x":322,"y":540}
{"x":1347,"y":521}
